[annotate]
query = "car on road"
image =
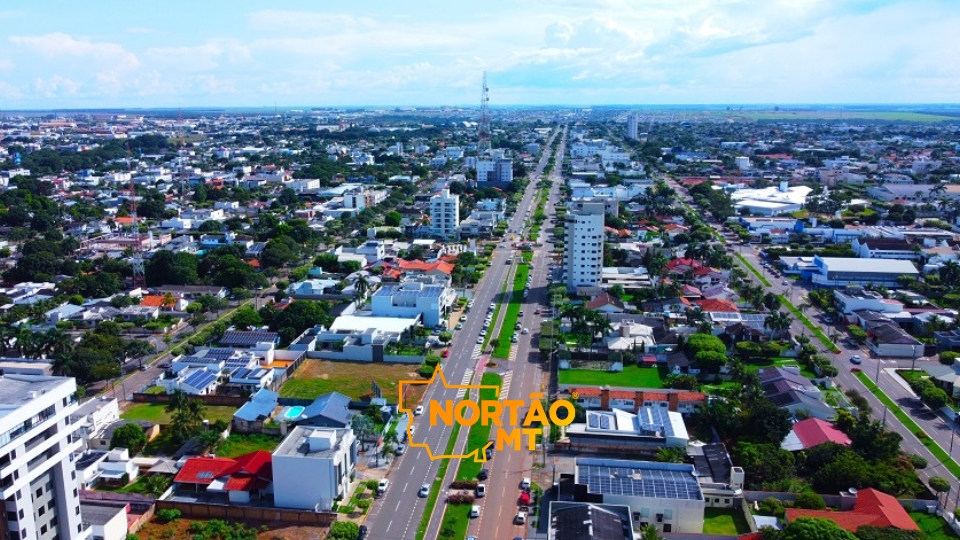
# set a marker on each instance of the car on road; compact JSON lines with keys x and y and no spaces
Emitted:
{"x":382,"y":486}
{"x":785,"y":282}
{"x":525,"y":331}
{"x":481,"y":490}
{"x":400,"y":450}
{"x":514,"y":339}
{"x":445,"y":353}
{"x":483,"y":474}
{"x":418,"y":411}
{"x":424,"y":491}
{"x":459,"y":326}
{"x":520,"y":518}
{"x":475,"y":511}
{"x":483,"y":333}
{"x":362,"y":533}
{"x":525,"y":484}
{"x":479,"y":341}
{"x":855,"y":359}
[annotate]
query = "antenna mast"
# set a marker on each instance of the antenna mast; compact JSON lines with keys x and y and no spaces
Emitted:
{"x":139,"y":272}
{"x":180,"y":173}
{"x":483,"y":131}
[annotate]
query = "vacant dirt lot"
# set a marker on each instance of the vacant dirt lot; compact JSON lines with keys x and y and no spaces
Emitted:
{"x":353,"y":379}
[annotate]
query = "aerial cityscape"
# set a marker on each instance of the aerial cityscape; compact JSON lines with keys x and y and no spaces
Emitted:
{"x":551,"y":271}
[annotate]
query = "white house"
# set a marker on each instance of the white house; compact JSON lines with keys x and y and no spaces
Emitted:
{"x":410,"y":299}
{"x":312,"y":467}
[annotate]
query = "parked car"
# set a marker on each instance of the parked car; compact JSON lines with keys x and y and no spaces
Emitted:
{"x":483,"y":474}
{"x":525,"y":484}
{"x":418,"y":411}
{"x":382,"y":486}
{"x":362,"y":533}
{"x":400,"y":450}
{"x":481,"y":490}
{"x":520,"y":518}
{"x":445,"y":353}
{"x":424,"y":491}
{"x":475,"y":511}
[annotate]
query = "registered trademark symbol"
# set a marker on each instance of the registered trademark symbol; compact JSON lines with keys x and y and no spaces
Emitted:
{"x":575,"y":394}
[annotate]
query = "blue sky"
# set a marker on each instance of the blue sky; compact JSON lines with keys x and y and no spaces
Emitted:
{"x":63,"y":53}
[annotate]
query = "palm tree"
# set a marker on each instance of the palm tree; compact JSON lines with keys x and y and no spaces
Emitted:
{"x":57,"y":341}
{"x":650,"y":532}
{"x":362,"y":285}
{"x":771,"y":301}
{"x":950,"y":273}
{"x":363,"y":425}
{"x":778,"y":322}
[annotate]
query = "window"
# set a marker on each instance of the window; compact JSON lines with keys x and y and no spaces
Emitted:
{"x":51,"y":504}
{"x":667,"y":527}
{"x":726,"y":501}
{"x":668,"y":514}
{"x":39,"y":492}
{"x":659,"y":518}
{"x":43,"y":529}
{"x":41,"y":511}
{"x":644,"y":512}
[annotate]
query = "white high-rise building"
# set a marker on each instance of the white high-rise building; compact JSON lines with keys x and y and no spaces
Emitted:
{"x":39,"y":481}
{"x":633,"y":123}
{"x":583,"y":254}
{"x":743,"y":162}
{"x":445,"y":213}
{"x":497,"y":170}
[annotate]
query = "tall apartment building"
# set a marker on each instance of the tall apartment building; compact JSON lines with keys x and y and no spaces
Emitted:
{"x":633,"y":123}
{"x":497,"y":170}
{"x":445,"y":213}
{"x":38,"y":480}
{"x":583,"y":254}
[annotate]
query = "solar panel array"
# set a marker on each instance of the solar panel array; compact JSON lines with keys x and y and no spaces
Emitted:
{"x":200,"y":379}
{"x":658,"y":483}
{"x":246,"y":339}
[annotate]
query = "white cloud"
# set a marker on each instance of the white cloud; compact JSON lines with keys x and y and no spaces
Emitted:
{"x":59,"y":45}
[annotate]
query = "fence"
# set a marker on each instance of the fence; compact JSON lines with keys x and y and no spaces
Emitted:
{"x":249,"y":513}
{"x":211,"y":400}
{"x":837,"y":501}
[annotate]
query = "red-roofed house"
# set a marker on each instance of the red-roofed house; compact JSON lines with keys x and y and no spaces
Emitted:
{"x":238,"y":478}
{"x":873,"y":508}
{"x":717,"y":305}
{"x":421,"y":267}
{"x":172,"y":303}
{"x":605,"y":303}
{"x":812,"y":432}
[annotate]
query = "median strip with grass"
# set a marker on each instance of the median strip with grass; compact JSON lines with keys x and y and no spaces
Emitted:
{"x":809,"y":324}
{"x":753,"y":270}
{"x":931,"y":444}
{"x":513,"y":311}
{"x":456,"y":517}
{"x":437,"y":485}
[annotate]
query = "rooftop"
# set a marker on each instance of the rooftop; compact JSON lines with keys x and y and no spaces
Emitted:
{"x":638,"y":478}
{"x":297,"y":443}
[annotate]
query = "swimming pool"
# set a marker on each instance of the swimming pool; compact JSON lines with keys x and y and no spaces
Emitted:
{"x":293,"y":412}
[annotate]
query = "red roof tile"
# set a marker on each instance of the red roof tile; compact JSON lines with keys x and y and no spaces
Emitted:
{"x":814,"y":431}
{"x":718,"y":305}
{"x":587,"y":391}
{"x":872,"y":508}
{"x":422,"y":266}
{"x":204,"y":470}
{"x":246,"y":472}
{"x":623,"y":394}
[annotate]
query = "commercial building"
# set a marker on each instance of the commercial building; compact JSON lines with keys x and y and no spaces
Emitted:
{"x":583,"y":253}
{"x":845,"y":271}
{"x":617,"y":430}
{"x":854,"y":299}
{"x":410,"y":299}
{"x":498,"y":170}
{"x":312,"y":467}
{"x":665,"y":495}
{"x":445,"y":213}
{"x":39,"y":485}
{"x":771,"y":201}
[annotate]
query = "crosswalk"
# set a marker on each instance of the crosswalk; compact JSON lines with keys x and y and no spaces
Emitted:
{"x":467,"y":377}
{"x":505,"y":386}
{"x":475,"y":355}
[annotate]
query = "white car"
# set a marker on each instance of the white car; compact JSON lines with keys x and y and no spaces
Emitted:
{"x":525,"y":331}
{"x":479,"y":341}
{"x":382,"y":486}
{"x":520,"y":518}
{"x":418,"y":411}
{"x":481,"y":490}
{"x":525,"y":484}
{"x":424,"y":491}
{"x":475,"y":511}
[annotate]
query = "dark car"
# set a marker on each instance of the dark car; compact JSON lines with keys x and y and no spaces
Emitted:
{"x":363,"y":532}
{"x":483,"y":474}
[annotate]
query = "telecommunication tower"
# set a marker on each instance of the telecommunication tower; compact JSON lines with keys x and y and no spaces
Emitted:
{"x":483,"y":130}
{"x":139,"y":272}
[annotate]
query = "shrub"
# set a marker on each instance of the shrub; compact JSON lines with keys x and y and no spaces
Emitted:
{"x":344,"y":530}
{"x":426,"y":371}
{"x":364,"y":503}
{"x":810,"y":501}
{"x":918,"y":462}
{"x":771,"y":506}
{"x":461,"y":498}
{"x":167,"y":515}
{"x":372,"y":485}
{"x":463,"y":484}
{"x":947,"y":358}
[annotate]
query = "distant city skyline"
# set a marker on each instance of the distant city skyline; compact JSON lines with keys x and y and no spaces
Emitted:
{"x":58,"y":54}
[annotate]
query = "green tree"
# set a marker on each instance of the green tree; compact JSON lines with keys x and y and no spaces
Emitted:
{"x":393,"y":218}
{"x":810,"y":500}
{"x":129,"y":436}
{"x":344,"y":530}
{"x":245,"y":318}
{"x":806,"y":528}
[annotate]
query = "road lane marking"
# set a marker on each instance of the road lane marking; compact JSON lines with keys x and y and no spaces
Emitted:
{"x":505,"y":385}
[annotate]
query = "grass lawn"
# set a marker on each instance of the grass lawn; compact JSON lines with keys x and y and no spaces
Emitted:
{"x":630,"y":377}
{"x":933,"y":527}
{"x":780,"y":361}
{"x":479,"y":435}
{"x":318,"y":377}
{"x":724,"y":521}
{"x":456,"y":519}
{"x":513,"y":312}
{"x":137,"y":487}
{"x":155,"y":412}
{"x":238,"y":444}
{"x":155,"y":390}
{"x":912,"y":375}
{"x":931,"y":445}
